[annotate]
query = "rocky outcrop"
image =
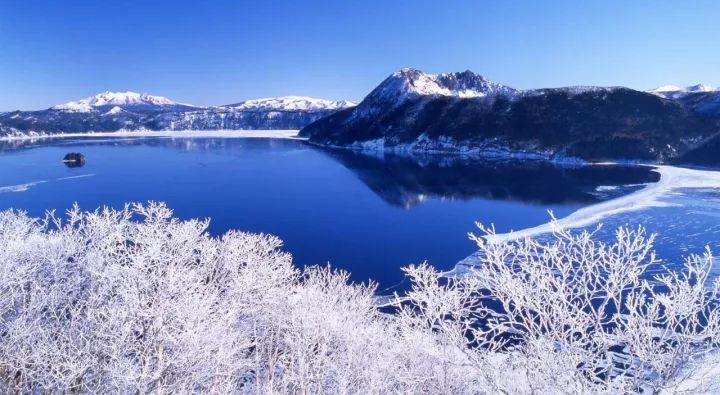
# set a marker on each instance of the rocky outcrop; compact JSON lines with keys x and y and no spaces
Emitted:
{"x":74,"y":159}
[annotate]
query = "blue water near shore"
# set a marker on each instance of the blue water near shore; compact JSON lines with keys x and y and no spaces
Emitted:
{"x":370,"y":215}
{"x":688,"y":223}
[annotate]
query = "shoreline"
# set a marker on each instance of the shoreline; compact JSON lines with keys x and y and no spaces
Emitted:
{"x":671,"y":178}
{"x":222,"y":133}
{"x":496,"y":153}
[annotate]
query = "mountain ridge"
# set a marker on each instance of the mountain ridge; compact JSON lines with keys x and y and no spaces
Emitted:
{"x":582,"y":122}
{"x":120,"y":99}
{"x":113,"y":111}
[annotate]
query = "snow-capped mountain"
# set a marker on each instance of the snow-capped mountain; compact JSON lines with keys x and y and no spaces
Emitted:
{"x":123,"y":100}
{"x":112,"y":111}
{"x":412,"y":111}
{"x":290,"y":103}
{"x":410,"y":83}
{"x":677,"y":92}
{"x":702,"y":99}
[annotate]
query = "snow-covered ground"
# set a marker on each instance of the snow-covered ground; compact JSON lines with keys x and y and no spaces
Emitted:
{"x":275,"y":134}
{"x":633,"y":209}
{"x":671,"y":178}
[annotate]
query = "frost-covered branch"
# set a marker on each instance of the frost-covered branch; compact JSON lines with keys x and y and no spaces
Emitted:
{"x":133,"y":300}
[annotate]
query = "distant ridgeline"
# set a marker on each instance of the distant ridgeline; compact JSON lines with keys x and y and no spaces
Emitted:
{"x":412,"y":111}
{"x":114,"y":111}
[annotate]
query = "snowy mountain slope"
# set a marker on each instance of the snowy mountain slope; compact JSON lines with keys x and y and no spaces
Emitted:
{"x":112,"y":111}
{"x":411,"y":111}
{"x":410,"y":83}
{"x":677,"y":92}
{"x":229,"y":118}
{"x":290,"y":103}
{"x":702,"y":99}
{"x":123,"y":100}
{"x":572,"y":90}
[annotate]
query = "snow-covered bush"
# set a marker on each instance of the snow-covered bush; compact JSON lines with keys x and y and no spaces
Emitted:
{"x":135,"y":301}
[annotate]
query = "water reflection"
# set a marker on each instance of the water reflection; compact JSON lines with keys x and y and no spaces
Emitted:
{"x":180,"y":143}
{"x":406,"y":181}
{"x":326,"y":205}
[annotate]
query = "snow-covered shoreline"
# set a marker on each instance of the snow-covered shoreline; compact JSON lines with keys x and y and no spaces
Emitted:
{"x":448,"y":147}
{"x":275,"y":134}
{"x":671,"y":178}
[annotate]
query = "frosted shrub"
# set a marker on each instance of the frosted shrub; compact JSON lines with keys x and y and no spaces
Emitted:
{"x":134,"y":301}
{"x":576,"y":315}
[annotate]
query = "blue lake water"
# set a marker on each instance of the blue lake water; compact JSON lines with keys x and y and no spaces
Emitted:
{"x":367,"y":214}
{"x":687,"y":224}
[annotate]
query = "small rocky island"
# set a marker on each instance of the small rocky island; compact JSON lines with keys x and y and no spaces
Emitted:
{"x":74,"y":159}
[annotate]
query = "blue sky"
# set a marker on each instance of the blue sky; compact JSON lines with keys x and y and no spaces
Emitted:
{"x":219,"y":52}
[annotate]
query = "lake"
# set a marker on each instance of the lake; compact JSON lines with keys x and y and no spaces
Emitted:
{"x":368,"y":214}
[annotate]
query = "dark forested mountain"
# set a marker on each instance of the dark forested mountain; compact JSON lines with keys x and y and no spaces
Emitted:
{"x":113,"y":111}
{"x":464,"y":112}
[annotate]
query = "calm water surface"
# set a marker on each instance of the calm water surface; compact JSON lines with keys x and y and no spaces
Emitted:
{"x":369,"y":215}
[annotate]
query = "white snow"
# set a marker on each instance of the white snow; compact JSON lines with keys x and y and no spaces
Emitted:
{"x":291,"y":103}
{"x":75,"y":106}
{"x":117,"y":99}
{"x":412,"y":82}
{"x":671,"y":178}
{"x":121,"y":99}
{"x":677,"y":92}
{"x":701,"y":380}
{"x":666,"y":88}
{"x":20,"y":187}
{"x":114,"y":110}
{"x":273,"y":134}
{"x":25,"y":186}
{"x":605,"y":188}
{"x":74,"y":177}
{"x":429,"y":84}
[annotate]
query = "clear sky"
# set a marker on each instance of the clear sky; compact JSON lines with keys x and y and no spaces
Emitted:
{"x":220,"y":52}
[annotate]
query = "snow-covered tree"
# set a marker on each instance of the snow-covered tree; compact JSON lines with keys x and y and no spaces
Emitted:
{"x":136,"y":301}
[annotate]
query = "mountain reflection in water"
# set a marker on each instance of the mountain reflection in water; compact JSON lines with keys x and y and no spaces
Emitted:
{"x":406,"y":181}
{"x":359,"y":212}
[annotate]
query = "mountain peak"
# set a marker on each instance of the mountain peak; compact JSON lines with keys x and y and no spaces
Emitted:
{"x":410,"y":82}
{"x":701,"y":88}
{"x":677,"y":92}
{"x":291,"y":103}
{"x":666,"y":88}
{"x":121,"y":99}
